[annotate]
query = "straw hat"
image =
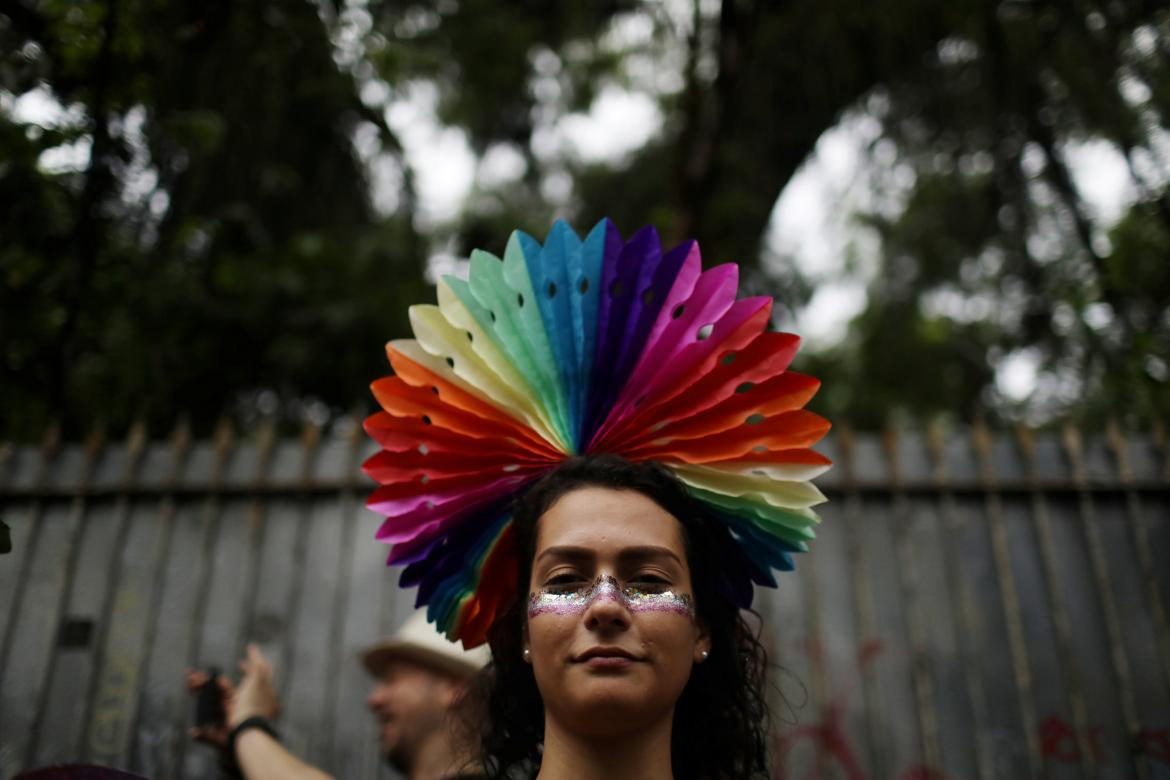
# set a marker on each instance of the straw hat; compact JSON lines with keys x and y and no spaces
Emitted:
{"x":418,"y":641}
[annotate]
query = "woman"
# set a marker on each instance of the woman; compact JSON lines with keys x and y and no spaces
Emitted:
{"x":610,"y":583}
{"x":660,"y":679}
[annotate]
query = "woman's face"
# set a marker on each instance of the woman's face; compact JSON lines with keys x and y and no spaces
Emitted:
{"x":611,"y":626}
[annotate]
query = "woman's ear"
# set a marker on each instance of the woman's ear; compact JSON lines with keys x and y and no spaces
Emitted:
{"x":702,"y":643}
{"x":525,"y":647}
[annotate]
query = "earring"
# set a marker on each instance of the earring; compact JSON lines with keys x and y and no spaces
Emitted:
{"x":527,"y":656}
{"x":704,"y":653}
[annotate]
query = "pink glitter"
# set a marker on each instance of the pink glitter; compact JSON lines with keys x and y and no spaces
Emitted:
{"x":573,"y":602}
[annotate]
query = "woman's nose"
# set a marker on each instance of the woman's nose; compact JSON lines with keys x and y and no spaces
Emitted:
{"x":606,"y":609}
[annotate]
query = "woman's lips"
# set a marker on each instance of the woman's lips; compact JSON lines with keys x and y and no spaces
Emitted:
{"x":608,"y":662}
{"x":606,"y":658}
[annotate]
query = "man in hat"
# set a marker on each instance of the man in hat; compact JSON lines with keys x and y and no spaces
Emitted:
{"x":419,"y":678}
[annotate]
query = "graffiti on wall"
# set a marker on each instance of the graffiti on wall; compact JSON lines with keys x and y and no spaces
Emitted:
{"x":833,"y":748}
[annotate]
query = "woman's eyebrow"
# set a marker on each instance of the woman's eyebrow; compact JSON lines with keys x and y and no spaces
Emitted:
{"x":628,"y":554}
{"x":646,"y":552}
{"x":567,"y":552}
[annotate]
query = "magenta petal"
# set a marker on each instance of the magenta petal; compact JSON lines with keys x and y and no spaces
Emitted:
{"x":672,"y":371}
{"x":406,"y":518}
{"x":678,"y":329}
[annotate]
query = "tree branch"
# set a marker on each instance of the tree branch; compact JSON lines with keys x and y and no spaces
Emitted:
{"x":98,"y":182}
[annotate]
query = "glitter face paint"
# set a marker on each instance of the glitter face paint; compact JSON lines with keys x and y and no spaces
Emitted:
{"x":573,"y":602}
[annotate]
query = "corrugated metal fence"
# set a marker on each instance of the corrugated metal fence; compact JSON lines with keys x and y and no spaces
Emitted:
{"x":976,"y":606}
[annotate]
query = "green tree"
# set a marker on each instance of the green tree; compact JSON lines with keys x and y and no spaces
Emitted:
{"x":219,"y":250}
{"x":996,"y":251}
{"x":220,"y":241}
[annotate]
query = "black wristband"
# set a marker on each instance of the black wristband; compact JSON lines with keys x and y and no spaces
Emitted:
{"x":254,"y":722}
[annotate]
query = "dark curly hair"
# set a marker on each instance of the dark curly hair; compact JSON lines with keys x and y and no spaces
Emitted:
{"x":721,"y":721}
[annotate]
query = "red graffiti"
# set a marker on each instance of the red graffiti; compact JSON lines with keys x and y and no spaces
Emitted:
{"x":1154,"y":743}
{"x":828,"y":735}
{"x":869,"y":651}
{"x":921,"y":773}
{"x":1058,"y":741}
{"x":831,"y":744}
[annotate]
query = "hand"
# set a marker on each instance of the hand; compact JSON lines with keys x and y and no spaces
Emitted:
{"x":256,"y":693}
{"x":214,"y":734}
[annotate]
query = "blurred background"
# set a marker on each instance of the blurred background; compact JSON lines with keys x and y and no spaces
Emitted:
{"x":214,"y":214}
{"x":216,"y":208}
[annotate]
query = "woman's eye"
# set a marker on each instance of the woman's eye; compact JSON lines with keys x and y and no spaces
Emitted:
{"x":564,"y":583}
{"x":650,"y":582}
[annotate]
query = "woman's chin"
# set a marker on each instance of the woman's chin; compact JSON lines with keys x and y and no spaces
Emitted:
{"x":609,"y":707}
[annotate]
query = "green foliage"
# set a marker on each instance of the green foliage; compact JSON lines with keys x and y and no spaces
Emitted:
{"x":480,"y":55}
{"x":995,"y":245}
{"x":218,"y":250}
{"x":225,"y":247}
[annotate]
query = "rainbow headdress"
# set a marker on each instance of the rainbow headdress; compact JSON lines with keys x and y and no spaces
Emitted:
{"x":576,"y":347}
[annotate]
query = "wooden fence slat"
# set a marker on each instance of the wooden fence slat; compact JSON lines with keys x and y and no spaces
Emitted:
{"x":1006,"y":462}
{"x":275,"y":595}
{"x":842,"y":694}
{"x":1105,"y":720}
{"x":940,"y":613}
{"x":306,"y":721}
{"x":150,"y":727}
{"x":116,"y":694}
{"x":838,"y":647}
{"x":397,"y":603}
{"x":1138,"y":522}
{"x":355,"y":733}
{"x":73,"y":669}
{"x":1057,"y":685}
{"x":25,"y":468}
{"x":815,"y":680}
{"x":222,"y":609}
{"x":35,"y":622}
{"x":866,"y":631}
{"x":299,"y":519}
{"x":20,"y":518}
{"x":1141,"y":456}
{"x":71,"y":673}
{"x":907,"y":460}
{"x":354,"y":738}
{"x":897,"y":736}
{"x":998,"y":530}
{"x":788,"y":646}
{"x":256,"y":460}
{"x":1137,"y":638}
{"x":1053,"y":547}
{"x":30,"y":469}
{"x":1003,"y":741}
{"x":959,"y":616}
{"x":1083,"y":463}
{"x":271,"y":591}
{"x":806,"y":707}
{"x":73,"y":466}
{"x":25,"y":679}
{"x":1045,"y":457}
{"x":164,"y":707}
{"x":207,"y":464}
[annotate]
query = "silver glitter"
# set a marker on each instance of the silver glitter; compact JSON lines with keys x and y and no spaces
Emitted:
{"x":561,"y":602}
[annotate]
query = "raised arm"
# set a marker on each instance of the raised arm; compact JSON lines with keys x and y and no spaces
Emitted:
{"x":254,"y":705}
